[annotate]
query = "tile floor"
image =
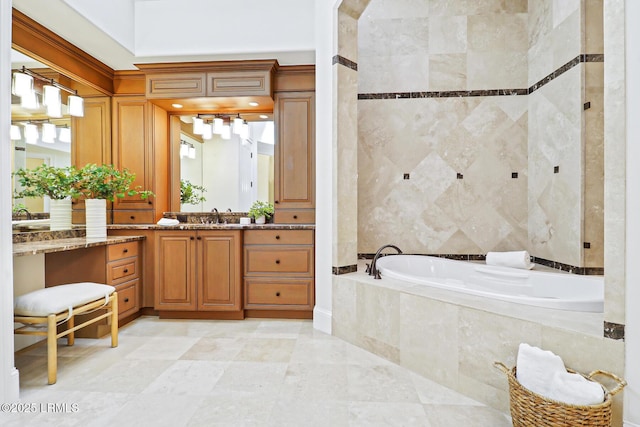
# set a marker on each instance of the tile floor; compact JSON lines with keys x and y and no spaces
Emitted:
{"x":253,"y":372}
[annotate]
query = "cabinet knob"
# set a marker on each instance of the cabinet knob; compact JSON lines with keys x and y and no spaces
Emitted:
{"x":124,"y":251}
{"x":277,"y":294}
{"x":132,"y":217}
{"x":277,"y":261}
{"x":191,"y":238}
{"x":276,"y":202}
{"x":277,"y":237}
{"x":199,"y":238}
{"x":126,"y":270}
{"x":295,"y":217}
{"x":150,"y":202}
{"x":126,"y":300}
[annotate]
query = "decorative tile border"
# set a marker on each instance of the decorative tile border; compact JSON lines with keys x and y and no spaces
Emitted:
{"x":614,"y":331}
{"x":336,"y":271}
{"x":585,"y":57}
{"x":587,"y":271}
{"x":337,"y":59}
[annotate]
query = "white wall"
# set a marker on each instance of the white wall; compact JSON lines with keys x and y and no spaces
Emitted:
{"x":9,"y":383}
{"x":632,"y":327}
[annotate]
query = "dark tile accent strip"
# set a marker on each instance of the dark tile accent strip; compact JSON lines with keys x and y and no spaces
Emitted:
{"x":337,"y":59}
{"x":344,"y":269}
{"x":586,"y":271}
{"x":614,"y":331}
{"x":585,"y":57}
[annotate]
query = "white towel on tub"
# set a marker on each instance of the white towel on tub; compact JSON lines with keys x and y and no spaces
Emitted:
{"x":515,"y":259}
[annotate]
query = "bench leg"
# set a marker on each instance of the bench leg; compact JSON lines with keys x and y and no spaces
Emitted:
{"x":52,"y":349}
{"x":71,"y":338}
{"x":114,"y":320}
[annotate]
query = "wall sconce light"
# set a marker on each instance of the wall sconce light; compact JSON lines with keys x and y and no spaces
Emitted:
{"x":207,"y":131}
{"x":244,"y":133}
{"x":187,"y":150}
{"x":31,"y":133}
{"x":22,"y":84}
{"x":65,"y":134}
{"x":76,"y":106}
{"x":217,"y":125}
{"x":15,"y":133}
{"x":226,"y":131}
{"x":192,"y":152}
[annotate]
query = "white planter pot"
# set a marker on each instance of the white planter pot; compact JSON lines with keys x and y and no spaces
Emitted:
{"x":96,"y":219}
{"x":60,"y":214}
{"x":260,"y":220}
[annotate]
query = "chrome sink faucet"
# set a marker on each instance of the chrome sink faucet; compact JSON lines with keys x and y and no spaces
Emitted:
{"x":24,"y":211}
{"x":215,"y":211}
{"x":372,"y":270}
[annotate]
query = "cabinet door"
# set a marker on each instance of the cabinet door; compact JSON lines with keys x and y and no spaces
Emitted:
{"x":219,"y":270}
{"x":294,"y":114}
{"x":176,"y":271}
{"x":131,"y":147}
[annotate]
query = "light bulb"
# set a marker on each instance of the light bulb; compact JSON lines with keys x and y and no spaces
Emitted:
{"x":29,"y":101}
{"x":237,"y":125}
{"x":192,"y":152}
{"x":76,"y":106}
{"x":217,"y":125}
{"x":22,"y":84}
{"x":226,"y":132}
{"x":65,"y":135}
{"x":48,"y":133}
{"x":51,"y":99}
{"x":207,"y":132}
{"x":198,"y":126}
{"x":15,"y":133}
{"x":31,"y":133}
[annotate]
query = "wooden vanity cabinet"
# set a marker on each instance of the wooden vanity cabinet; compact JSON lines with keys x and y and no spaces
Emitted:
{"x":199,"y":271}
{"x":117,"y":265}
{"x":294,"y":190}
{"x":278,"y":272}
{"x":140,"y":144}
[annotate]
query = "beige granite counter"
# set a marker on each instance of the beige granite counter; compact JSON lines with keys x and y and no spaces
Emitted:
{"x":67,"y":244}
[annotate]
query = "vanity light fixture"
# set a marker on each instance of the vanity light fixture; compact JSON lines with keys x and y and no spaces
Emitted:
{"x":226,"y":131}
{"x":244,"y":133}
{"x":192,"y":152}
{"x":15,"y":133}
{"x":207,"y":132}
{"x":31,"y":133}
{"x":65,"y":134}
{"x":184,"y":149}
{"x":48,"y":133}
{"x":23,"y":87}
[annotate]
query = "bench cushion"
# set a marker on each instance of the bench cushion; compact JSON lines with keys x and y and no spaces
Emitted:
{"x":58,"y":299}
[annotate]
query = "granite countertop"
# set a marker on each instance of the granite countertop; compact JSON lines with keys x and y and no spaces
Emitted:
{"x":188,"y":226}
{"x":67,"y":244}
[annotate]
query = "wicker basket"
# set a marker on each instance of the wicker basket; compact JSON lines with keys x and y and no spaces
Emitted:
{"x":529,"y":409}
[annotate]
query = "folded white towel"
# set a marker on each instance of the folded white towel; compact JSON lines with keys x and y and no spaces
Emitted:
{"x":575,"y":389}
{"x":536,"y":368}
{"x":515,"y":259}
{"x":168,"y":221}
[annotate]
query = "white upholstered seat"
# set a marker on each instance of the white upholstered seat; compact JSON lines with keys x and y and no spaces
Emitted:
{"x":57,"y":299}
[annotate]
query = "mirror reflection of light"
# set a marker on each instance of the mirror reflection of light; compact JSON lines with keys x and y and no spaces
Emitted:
{"x":267,"y":134}
{"x":15,"y":133}
{"x":65,"y":135}
{"x":31,"y":133}
{"x":48,"y":133}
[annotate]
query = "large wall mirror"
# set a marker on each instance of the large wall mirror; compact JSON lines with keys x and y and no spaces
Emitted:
{"x":234,"y":167}
{"x":39,"y":136}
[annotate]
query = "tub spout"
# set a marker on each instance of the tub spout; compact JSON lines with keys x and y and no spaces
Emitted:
{"x":372,"y":270}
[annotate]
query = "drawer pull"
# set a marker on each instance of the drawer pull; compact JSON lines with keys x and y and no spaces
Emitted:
{"x":277,"y":261}
{"x":125,"y":251}
{"x":277,"y":237}
{"x":277,"y":294}
{"x":199,"y":238}
{"x":126,"y":270}
{"x":295,"y":217}
{"x":132,"y":217}
{"x":191,"y":238}
{"x":126,"y":300}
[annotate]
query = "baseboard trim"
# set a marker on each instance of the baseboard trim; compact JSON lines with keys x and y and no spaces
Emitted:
{"x":322,"y":320}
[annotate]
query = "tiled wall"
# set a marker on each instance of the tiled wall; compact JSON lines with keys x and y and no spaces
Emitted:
{"x":459,"y":150}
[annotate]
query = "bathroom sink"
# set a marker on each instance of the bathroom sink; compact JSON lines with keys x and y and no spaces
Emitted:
{"x":30,"y":222}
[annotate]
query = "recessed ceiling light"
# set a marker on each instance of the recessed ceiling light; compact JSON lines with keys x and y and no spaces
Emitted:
{"x":264,"y":116}
{"x":176,"y":105}
{"x":253,"y":104}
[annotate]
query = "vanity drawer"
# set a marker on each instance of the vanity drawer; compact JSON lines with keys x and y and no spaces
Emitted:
{"x":280,"y":293}
{"x":133,"y":217}
{"x":307,"y":216}
{"x":280,"y":260}
{"x":278,"y":237}
{"x":122,"y":250}
{"x":127,"y":298}
{"x":121,"y":271}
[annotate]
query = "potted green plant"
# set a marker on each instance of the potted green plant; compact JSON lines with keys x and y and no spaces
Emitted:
{"x":99,"y":183}
{"x":57,"y":183}
{"x":260,"y":211}
{"x":191,"y":194}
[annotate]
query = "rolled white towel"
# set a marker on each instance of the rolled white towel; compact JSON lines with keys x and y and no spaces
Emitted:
{"x":536,"y":368}
{"x":168,"y":221}
{"x":515,"y":259}
{"x":575,"y":389}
